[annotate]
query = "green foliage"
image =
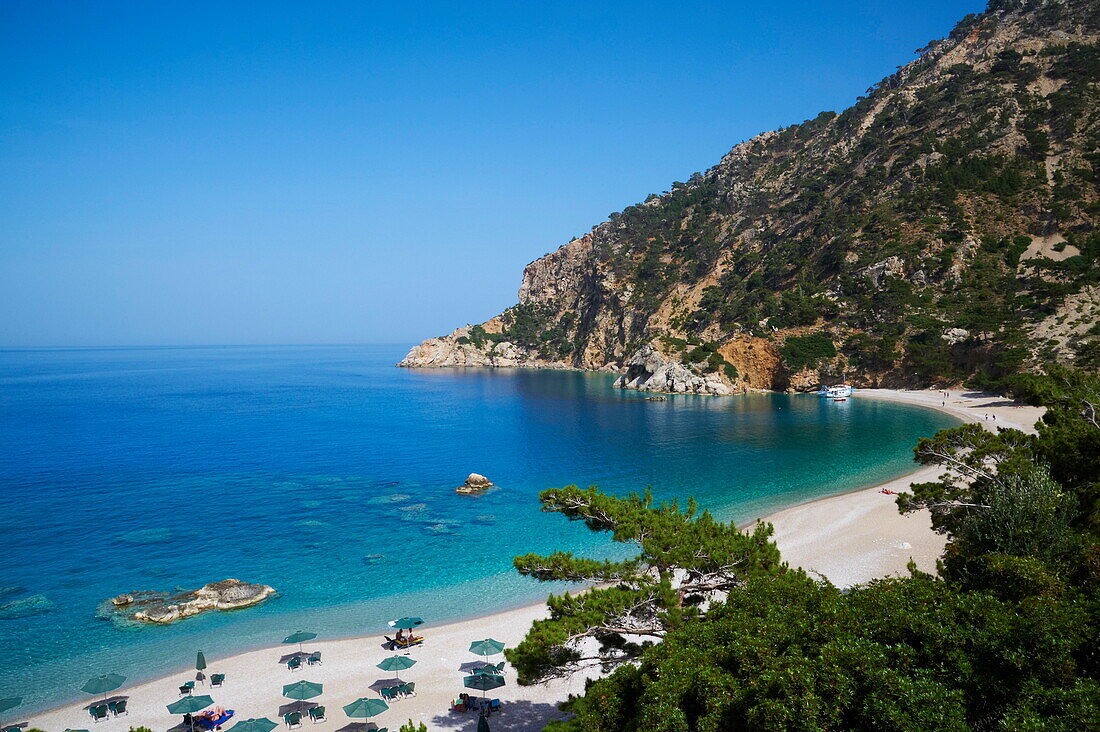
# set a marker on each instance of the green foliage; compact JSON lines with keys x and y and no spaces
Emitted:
{"x":412,"y":726}
{"x":684,"y":559}
{"x":800,"y":352}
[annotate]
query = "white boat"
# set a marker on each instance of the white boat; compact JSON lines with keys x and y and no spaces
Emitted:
{"x":839,"y":391}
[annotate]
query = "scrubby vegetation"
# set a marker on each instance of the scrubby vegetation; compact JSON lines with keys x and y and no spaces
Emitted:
{"x":885,"y":226}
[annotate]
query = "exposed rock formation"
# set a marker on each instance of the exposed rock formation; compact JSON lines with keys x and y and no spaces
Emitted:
{"x":475,"y":483}
{"x":649,"y":370}
{"x":959,"y":195}
{"x":161,"y":608}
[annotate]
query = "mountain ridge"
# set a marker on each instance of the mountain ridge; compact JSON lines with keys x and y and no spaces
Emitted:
{"x":943,"y":228}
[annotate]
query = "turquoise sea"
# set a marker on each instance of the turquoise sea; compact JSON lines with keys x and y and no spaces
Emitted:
{"x":329,"y":474}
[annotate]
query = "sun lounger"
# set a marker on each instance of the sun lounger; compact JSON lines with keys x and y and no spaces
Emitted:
{"x":458,"y":705}
{"x":314,"y":658}
{"x":494,"y":705}
{"x":187,"y":688}
{"x":295,"y":663}
{"x":214,"y":724}
{"x":294,"y":719}
{"x":99,"y":712}
{"x":317,"y":714}
{"x":217,"y":679}
{"x":410,"y":688}
{"x":118,"y":707}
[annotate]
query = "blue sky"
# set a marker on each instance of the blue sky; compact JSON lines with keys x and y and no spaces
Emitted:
{"x":346,"y":172}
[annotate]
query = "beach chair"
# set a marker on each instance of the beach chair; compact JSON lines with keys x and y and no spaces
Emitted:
{"x":99,"y":712}
{"x":410,"y":688}
{"x":494,"y":705}
{"x":314,"y":658}
{"x":294,"y":719}
{"x":217,"y":679}
{"x":187,"y":688}
{"x":295,"y":663}
{"x":118,"y":707}
{"x":458,"y":705}
{"x":390,"y":643}
{"x":317,"y":714}
{"x":390,"y":694}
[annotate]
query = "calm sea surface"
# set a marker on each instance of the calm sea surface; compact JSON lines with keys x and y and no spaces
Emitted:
{"x":329,"y":474}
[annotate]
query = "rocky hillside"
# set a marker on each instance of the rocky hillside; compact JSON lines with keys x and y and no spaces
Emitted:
{"x":941,"y":229}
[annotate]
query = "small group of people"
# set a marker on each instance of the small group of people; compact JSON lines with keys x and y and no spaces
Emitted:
{"x":206,"y":719}
{"x":404,"y":638}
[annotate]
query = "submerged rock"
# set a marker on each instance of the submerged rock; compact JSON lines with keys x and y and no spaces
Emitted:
{"x":475,"y":483}
{"x":162,"y":607}
{"x":25,"y":607}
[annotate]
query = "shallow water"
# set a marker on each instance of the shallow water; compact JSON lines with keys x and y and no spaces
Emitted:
{"x":329,"y":474}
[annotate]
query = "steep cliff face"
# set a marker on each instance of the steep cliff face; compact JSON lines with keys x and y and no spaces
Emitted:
{"x":941,"y":228}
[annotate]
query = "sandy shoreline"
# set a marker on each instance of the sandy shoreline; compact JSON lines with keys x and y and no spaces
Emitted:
{"x":848,"y":538}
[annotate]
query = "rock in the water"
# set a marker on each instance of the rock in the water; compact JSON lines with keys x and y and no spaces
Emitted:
{"x":475,"y":483}
{"x":163,"y":607}
{"x":657,"y":398}
{"x":25,"y":607}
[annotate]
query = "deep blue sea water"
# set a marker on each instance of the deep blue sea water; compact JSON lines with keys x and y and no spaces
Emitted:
{"x":329,"y":474}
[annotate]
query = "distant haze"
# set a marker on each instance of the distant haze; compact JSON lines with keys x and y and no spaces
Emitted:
{"x":205,"y":173}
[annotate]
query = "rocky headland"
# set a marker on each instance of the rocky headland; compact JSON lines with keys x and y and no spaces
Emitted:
{"x":944,"y":227}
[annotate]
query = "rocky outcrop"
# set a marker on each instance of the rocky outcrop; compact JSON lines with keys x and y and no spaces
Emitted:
{"x":161,"y":608}
{"x":475,"y":484}
{"x":650,"y":370}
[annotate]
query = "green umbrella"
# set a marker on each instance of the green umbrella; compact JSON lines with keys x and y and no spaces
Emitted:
{"x":190,"y":705}
{"x":483,"y":682}
{"x":406,"y":623}
{"x":486,"y":647}
{"x":10,"y":703}
{"x":363,"y":708}
{"x":302,"y":690}
{"x":299,"y":637}
{"x":200,"y":662}
{"x":103,"y":684}
{"x":263,"y":724}
{"x":396,"y":663}
{"x":482,"y":724}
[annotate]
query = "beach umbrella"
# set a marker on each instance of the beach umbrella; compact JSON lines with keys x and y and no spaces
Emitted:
{"x":190,"y":705}
{"x":483,"y":682}
{"x":102,"y":684}
{"x":482,"y":724}
{"x":396,"y":663}
{"x":486,"y":647}
{"x":406,"y":623}
{"x":302,"y":690}
{"x":263,"y":724}
{"x":299,"y":637}
{"x":200,"y":662}
{"x":362,"y":708}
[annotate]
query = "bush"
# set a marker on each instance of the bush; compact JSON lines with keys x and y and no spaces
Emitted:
{"x":802,"y":351}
